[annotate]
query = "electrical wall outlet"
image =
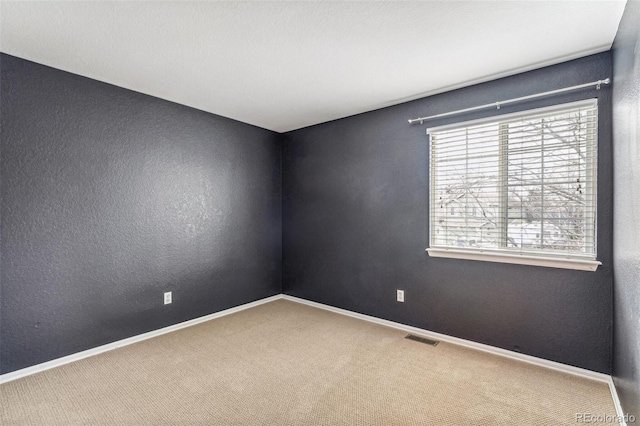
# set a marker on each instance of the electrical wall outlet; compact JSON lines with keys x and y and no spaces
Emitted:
{"x":167,"y":298}
{"x":400,"y":295}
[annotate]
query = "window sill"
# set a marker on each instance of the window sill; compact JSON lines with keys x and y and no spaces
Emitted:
{"x":550,"y":262}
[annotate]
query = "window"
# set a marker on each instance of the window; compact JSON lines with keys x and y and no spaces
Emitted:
{"x":523,"y":187}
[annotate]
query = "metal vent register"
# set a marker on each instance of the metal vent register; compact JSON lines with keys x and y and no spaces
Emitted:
{"x":422,"y":340}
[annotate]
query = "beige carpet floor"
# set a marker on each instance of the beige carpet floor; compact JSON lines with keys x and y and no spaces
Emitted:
{"x":284,"y":363}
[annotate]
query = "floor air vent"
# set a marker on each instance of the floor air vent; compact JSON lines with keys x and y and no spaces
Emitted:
{"x":422,"y":340}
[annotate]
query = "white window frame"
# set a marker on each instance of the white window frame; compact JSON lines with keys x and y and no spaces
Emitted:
{"x":504,"y":255}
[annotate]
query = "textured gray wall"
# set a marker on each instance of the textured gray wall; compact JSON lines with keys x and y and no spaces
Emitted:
{"x":355,"y":229}
{"x":626,"y":233}
{"x":110,"y":198}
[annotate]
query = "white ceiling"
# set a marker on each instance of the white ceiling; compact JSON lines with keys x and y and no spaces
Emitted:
{"x":287,"y":65}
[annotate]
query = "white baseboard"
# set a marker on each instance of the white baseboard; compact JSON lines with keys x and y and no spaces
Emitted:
{"x":576,"y":371}
{"x":4,"y":378}
{"x":616,"y":401}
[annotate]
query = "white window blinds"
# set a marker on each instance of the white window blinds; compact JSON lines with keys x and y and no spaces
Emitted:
{"x":521,"y":183}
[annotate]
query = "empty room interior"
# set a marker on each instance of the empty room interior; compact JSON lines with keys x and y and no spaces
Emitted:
{"x":320,"y":213}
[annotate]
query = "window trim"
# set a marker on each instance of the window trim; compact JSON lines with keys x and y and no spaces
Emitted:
{"x":520,"y":259}
{"x":503,"y":254}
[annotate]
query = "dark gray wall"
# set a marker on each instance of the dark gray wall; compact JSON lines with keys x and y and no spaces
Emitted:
{"x":110,"y":198}
{"x":355,"y":229}
{"x":626,"y":232}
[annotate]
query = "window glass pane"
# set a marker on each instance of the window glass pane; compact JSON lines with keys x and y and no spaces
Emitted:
{"x":522,"y":184}
{"x":466,"y":172}
{"x":547,"y":168}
